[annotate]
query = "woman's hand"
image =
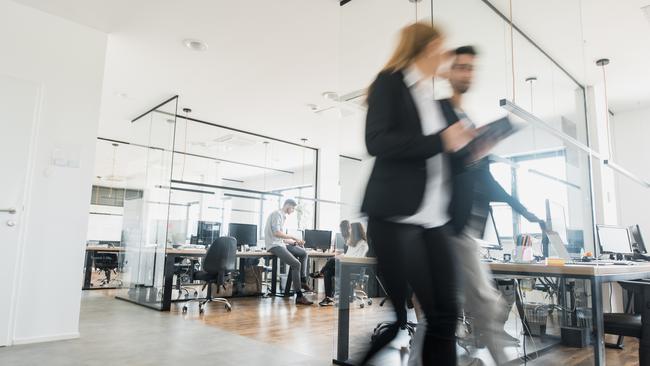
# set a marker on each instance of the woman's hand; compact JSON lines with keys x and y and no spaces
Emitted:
{"x":456,"y":136}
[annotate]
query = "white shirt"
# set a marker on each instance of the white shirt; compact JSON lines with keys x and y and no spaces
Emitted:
{"x":274,"y":223}
{"x":433,"y":211}
{"x":359,"y":250}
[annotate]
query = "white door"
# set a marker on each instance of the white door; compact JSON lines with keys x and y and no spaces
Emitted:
{"x":19,"y":101}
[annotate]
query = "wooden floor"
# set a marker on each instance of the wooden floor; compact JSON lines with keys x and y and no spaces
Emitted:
{"x":304,"y":329}
{"x":311,"y":330}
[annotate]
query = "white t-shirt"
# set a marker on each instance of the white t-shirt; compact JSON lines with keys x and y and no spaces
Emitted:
{"x":359,"y":250}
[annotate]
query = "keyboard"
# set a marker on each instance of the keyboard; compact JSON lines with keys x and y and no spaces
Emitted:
{"x":603,"y":263}
{"x":191,"y":246}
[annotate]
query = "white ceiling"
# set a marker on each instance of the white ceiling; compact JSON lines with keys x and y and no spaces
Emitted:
{"x":267,"y":59}
{"x":612,"y":29}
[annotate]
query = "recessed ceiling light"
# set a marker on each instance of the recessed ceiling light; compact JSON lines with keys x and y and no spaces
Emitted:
{"x":195,"y":44}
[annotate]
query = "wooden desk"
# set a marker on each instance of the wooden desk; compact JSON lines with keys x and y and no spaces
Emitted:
{"x":597,"y":275}
{"x":172,"y":254}
{"x":91,"y":250}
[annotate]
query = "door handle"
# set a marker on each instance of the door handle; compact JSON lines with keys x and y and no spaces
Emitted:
{"x":11,"y":211}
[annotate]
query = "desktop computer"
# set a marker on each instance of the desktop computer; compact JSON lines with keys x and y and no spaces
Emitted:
{"x":318,"y":239}
{"x":207,"y":232}
{"x":637,"y":239}
{"x":246,"y":234}
{"x":614,"y":240}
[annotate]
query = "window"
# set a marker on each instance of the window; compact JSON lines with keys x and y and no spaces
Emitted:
{"x":538,"y":177}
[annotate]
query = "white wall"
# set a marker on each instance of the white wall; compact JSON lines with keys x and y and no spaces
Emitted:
{"x":632,"y":151}
{"x":68,"y":61}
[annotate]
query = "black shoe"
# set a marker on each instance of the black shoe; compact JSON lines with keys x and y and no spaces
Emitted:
{"x":302,"y":300}
{"x":316,"y":275}
{"x":327,"y":302}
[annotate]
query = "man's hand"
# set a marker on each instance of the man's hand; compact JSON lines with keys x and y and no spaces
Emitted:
{"x":456,"y":136}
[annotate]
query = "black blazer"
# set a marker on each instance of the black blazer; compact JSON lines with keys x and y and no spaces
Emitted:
{"x":394,"y":136}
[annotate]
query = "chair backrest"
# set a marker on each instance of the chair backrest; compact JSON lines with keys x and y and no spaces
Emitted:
{"x":221,"y":256}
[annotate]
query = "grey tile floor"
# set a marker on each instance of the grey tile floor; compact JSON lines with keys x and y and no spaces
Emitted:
{"x":115,"y":332}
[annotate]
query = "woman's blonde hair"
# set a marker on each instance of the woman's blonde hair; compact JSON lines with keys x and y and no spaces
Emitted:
{"x":413,"y":40}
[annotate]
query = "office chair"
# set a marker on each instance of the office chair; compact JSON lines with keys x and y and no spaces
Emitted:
{"x":183,"y":270}
{"x":108,"y":264}
{"x":218,"y":265}
{"x":633,"y":323}
{"x":360,"y":287}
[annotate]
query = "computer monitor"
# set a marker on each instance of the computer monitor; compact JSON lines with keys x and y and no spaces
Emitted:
{"x":556,"y":219}
{"x":318,"y":239}
{"x":246,"y":234}
{"x":637,"y":239}
{"x":207,"y":232}
{"x":575,"y":240}
{"x":614,"y":239}
{"x":490,"y":236}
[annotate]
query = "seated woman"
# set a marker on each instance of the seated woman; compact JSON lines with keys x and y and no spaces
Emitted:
{"x":357,"y":246}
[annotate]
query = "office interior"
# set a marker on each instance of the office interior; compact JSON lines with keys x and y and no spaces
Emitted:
{"x":136,"y":134}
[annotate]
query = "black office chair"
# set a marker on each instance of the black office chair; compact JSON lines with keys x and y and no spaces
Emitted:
{"x":108,"y":264}
{"x":218,"y":265}
{"x":634,"y":322}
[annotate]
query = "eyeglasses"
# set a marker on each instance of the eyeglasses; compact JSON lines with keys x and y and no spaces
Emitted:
{"x":463,"y":67}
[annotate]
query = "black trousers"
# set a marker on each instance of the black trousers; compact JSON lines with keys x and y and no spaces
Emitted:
{"x":409,"y":255}
{"x":329,"y":271}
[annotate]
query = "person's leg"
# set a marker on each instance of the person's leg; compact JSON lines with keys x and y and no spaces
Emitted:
{"x":482,"y":302}
{"x":329,"y":271}
{"x":285,"y":256}
{"x":329,"y":266}
{"x":415,"y":354}
{"x":303,"y":257}
{"x":433,"y":276}
{"x":388,"y":240}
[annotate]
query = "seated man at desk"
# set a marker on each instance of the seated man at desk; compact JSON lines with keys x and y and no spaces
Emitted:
{"x":288,"y":249}
{"x":356,"y":245}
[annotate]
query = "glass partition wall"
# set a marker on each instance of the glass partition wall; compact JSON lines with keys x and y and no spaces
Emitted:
{"x":226,"y":177}
{"x":540,"y":165}
{"x":181,"y":182}
{"x":146,"y":163}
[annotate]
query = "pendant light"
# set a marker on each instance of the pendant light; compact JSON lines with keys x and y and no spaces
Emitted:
{"x":187,"y":111}
{"x":602,"y":63}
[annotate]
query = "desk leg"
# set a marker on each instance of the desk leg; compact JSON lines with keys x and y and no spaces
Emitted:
{"x":519,"y":302}
{"x":274,"y":275}
{"x":561,"y":298}
{"x":598,"y":324}
{"x":168,"y":282}
{"x":343,"y":339}
{"x":89,"y":269}
{"x":241,"y":280}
